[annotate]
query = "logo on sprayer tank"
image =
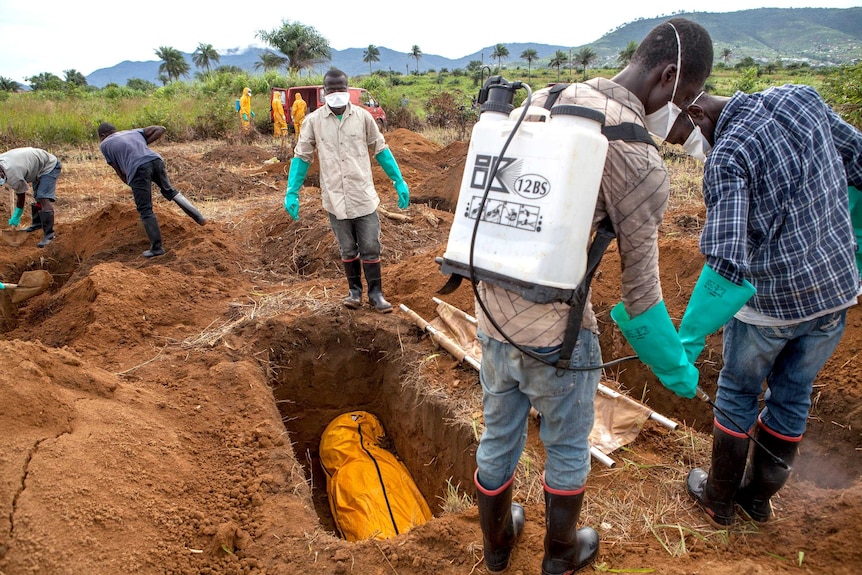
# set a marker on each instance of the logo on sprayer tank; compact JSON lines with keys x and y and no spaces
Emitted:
{"x":508,"y":178}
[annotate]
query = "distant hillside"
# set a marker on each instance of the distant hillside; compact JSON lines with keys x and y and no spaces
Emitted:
{"x":819,"y":36}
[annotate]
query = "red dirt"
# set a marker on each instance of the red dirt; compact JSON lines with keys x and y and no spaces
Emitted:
{"x":161,"y":416}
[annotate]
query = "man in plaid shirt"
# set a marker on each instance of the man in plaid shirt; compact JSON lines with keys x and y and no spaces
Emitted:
{"x":778,"y":231}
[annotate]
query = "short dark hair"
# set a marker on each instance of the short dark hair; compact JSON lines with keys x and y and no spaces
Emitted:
{"x":334,"y":73}
{"x":106,"y":129}
{"x":660,"y":48}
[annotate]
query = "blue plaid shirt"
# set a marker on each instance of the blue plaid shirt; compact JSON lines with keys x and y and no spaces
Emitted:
{"x":775,"y":188}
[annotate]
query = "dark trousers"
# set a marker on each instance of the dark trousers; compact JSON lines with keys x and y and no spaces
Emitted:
{"x":358,"y":237}
{"x":142,"y":186}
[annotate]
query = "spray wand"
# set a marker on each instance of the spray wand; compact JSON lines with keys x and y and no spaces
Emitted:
{"x":701,"y":394}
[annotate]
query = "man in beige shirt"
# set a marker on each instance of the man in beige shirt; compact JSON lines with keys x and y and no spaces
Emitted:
{"x":666,"y":73}
{"x":342,"y":135}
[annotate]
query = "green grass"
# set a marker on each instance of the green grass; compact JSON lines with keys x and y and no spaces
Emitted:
{"x":204,"y":107}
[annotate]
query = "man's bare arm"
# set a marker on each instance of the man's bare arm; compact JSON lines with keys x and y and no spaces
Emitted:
{"x":153,"y":133}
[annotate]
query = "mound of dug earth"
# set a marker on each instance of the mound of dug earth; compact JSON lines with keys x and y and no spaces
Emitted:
{"x":164,"y":416}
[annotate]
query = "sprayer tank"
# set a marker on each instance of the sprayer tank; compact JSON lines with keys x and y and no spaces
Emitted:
{"x":535,"y":225}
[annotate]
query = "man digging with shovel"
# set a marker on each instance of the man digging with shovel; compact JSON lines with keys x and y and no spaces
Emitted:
{"x":128,"y":152}
{"x":20,"y":167}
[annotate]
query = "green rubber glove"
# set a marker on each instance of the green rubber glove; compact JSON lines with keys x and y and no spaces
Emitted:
{"x":2,"y":286}
{"x":654,"y":338}
{"x":713,"y":302}
{"x":403,"y":194}
{"x":16,"y":216}
{"x":295,"y":179}
{"x":387,"y":162}
{"x":245,"y":117}
{"x":855,"y":197}
{"x":253,"y":115}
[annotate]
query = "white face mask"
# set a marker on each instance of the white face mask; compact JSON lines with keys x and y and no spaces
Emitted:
{"x":337,"y":99}
{"x":661,"y":121}
{"x":696,"y":145}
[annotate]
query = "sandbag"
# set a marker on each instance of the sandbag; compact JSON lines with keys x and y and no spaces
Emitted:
{"x":371,"y":493}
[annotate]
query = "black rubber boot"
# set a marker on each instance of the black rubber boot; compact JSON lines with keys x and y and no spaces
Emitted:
{"x":151,"y":226}
{"x":764,"y":476}
{"x":567,"y":548}
{"x":375,"y":289}
{"x":353,"y":271}
{"x":47,"y":220}
{"x":714,"y":491}
{"x":501,"y":521}
{"x":191,"y":211}
{"x":35,"y":218}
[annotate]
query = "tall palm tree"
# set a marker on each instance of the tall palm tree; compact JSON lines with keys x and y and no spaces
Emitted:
{"x":500,"y":52}
{"x":45,"y":81}
{"x":529,"y":56}
{"x":205,"y":55}
{"x":74,"y":77}
{"x":725,"y":54}
{"x":371,"y":54}
{"x":415,"y":53}
{"x":585,"y":57}
{"x":559,"y":60}
{"x":270,"y":61}
{"x":625,"y":55}
{"x":302,"y":45}
{"x":173,"y":64}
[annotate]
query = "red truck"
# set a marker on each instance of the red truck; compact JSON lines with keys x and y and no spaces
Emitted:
{"x":313,"y":96}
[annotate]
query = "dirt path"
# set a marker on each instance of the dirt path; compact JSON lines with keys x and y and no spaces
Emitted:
{"x":162,"y":417}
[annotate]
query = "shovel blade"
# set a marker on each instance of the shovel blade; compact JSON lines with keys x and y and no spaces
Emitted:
{"x":13,"y":236}
{"x":32,"y":283}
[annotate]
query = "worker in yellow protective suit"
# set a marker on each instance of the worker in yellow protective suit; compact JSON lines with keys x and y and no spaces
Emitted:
{"x":245,"y":112}
{"x":297,"y":110}
{"x":279,"y":122}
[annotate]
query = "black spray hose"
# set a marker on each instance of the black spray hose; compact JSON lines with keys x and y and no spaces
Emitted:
{"x":474,"y":282}
{"x":701,"y":394}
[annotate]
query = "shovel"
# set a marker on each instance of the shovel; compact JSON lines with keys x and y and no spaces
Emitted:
{"x":12,"y":235}
{"x":32,"y":283}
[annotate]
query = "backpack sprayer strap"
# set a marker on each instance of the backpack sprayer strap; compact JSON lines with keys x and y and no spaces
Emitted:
{"x":629,"y":132}
{"x":601,"y":241}
{"x":626,"y":131}
{"x":554,"y":93}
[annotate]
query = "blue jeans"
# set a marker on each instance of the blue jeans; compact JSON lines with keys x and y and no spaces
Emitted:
{"x":788,"y":358}
{"x":511,"y":383}
{"x":358,"y":237}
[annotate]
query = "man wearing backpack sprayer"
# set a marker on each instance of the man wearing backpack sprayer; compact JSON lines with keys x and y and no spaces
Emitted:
{"x":342,"y":134}
{"x":666,"y":73}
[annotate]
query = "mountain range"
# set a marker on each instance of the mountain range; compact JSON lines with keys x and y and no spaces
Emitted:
{"x":818,"y":36}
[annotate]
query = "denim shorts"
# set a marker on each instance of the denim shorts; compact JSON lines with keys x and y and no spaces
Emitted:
{"x":787,"y":358}
{"x":45,"y":187}
{"x":511,"y":383}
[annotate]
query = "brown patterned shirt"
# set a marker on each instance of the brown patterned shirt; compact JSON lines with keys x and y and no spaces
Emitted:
{"x":633,"y":193}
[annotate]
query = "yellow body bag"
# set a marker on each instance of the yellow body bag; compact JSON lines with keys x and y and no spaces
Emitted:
{"x":371,"y":493}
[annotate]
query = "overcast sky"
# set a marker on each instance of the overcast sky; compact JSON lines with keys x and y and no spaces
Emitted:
{"x":53,"y":36}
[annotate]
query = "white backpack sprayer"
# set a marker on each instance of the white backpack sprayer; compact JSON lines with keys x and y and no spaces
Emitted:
{"x":527,"y":197}
{"x":525,"y":208}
